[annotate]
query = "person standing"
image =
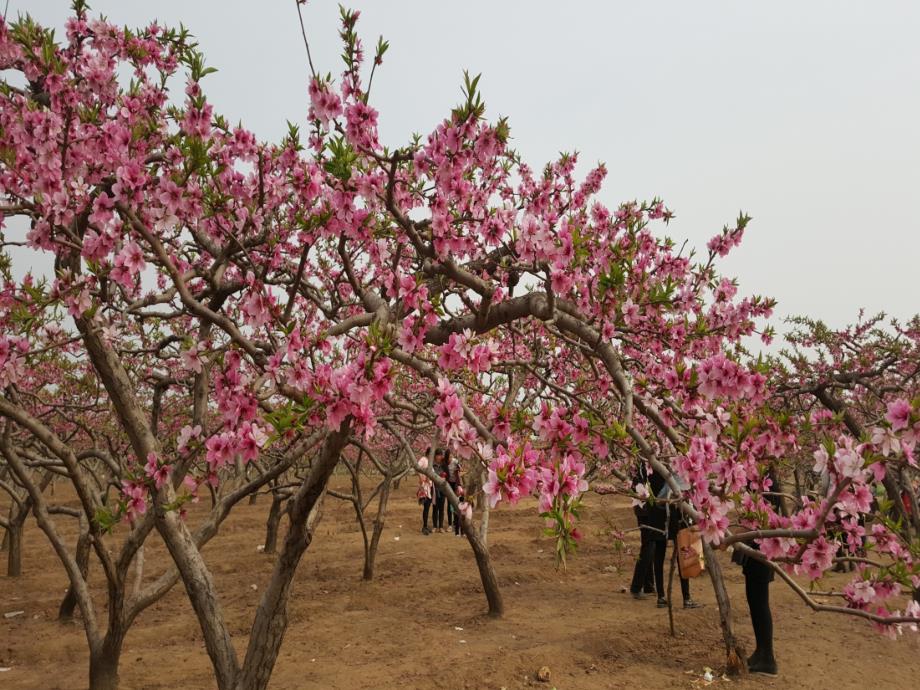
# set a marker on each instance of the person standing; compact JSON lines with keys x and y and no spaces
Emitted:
{"x":424,"y":493}
{"x":653,"y":533}
{"x":757,"y":578}
{"x":455,"y":480}
{"x":440,"y":468}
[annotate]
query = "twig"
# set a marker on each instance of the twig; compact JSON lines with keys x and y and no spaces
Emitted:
{"x":306,"y":43}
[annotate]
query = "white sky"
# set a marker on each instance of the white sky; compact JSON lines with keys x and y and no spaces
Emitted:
{"x":806,"y":115}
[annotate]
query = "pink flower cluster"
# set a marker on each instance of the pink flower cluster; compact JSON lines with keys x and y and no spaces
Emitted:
{"x":12,"y":359}
{"x":460,"y":352}
{"x":513,"y":474}
{"x":563,"y":479}
{"x":721,"y":377}
{"x":449,"y":417}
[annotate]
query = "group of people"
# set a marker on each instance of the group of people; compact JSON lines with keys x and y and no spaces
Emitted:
{"x":660,"y":523}
{"x":447,"y":468}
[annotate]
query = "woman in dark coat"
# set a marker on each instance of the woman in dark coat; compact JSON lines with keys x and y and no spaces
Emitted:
{"x":653,"y":533}
{"x":757,"y":578}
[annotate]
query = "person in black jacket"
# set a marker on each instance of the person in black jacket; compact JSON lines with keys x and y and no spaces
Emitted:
{"x":757,"y":578}
{"x":440,"y":468}
{"x":653,"y":534}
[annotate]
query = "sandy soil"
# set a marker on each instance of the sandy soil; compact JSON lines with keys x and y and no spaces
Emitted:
{"x":420,"y":623}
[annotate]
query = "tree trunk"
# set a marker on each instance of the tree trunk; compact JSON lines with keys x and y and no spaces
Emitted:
{"x":486,"y":572}
{"x":14,"y":557}
{"x":103,"y":664}
{"x":797,"y":474}
{"x":734,"y":651}
{"x":897,"y":506}
{"x":274,"y":520}
{"x":138,"y":569}
{"x":484,"y":524}
{"x":65,"y":612}
{"x":6,"y":533}
{"x":370,"y":553}
{"x":480,"y":551}
{"x":271,"y":620}
{"x":199,"y":584}
{"x":486,"y":510}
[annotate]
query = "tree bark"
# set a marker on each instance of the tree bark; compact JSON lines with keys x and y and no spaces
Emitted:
{"x":14,"y":543}
{"x":480,"y":551}
{"x":370,"y":554}
{"x":486,"y":572}
{"x":486,"y":510}
{"x":273,"y":522}
{"x":138,"y":570}
{"x":734,"y":651}
{"x":271,"y":620}
{"x":14,"y":531}
{"x":4,"y":523}
{"x":203,"y":595}
{"x":103,"y":664}
{"x":65,"y":612}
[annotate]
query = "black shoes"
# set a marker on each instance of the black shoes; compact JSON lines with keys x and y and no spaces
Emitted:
{"x":426,"y":531}
{"x":662,"y":603}
{"x":765,"y":667}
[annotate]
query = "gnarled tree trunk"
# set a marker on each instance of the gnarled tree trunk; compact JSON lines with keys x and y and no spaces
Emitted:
{"x":271,"y":620}
{"x":370,"y":551}
{"x":103,"y":663}
{"x":480,"y":550}
{"x":273,"y":522}
{"x":84,"y":542}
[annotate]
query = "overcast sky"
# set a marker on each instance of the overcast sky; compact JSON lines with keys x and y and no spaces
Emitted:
{"x":806,"y":115}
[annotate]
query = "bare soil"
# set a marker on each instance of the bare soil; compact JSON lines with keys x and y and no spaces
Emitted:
{"x":420,"y":622}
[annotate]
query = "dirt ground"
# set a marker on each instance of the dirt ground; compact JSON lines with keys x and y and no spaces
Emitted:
{"x":420,"y":622}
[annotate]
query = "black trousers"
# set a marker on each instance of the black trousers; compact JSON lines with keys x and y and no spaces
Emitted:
{"x":426,"y":506}
{"x":684,"y":582}
{"x":757,"y":590}
{"x":649,"y":564}
{"x":438,"y":517}
{"x":650,"y":567}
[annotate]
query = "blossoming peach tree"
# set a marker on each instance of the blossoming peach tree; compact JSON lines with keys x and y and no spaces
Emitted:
{"x":219,"y":311}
